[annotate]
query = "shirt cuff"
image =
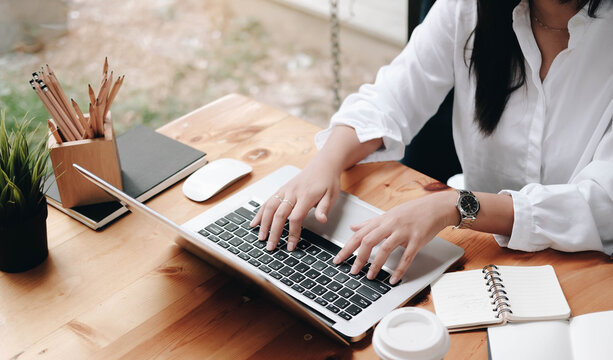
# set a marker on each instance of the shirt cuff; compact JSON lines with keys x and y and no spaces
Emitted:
{"x":392,"y":149}
{"x":522,"y":224}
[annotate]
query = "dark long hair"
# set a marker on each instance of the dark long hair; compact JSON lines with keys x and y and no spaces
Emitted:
{"x":497,"y":59}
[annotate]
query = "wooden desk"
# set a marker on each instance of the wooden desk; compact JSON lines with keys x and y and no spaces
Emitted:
{"x":129,"y":291}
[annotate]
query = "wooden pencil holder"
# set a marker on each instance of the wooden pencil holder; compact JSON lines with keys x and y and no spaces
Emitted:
{"x":98,"y":155}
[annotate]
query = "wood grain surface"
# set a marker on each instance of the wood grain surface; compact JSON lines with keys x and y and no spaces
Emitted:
{"x":129,"y":292}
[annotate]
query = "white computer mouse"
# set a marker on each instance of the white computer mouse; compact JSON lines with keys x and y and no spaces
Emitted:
{"x":214,"y":177}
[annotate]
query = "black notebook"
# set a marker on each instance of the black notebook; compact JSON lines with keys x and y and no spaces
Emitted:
{"x":150,"y":163}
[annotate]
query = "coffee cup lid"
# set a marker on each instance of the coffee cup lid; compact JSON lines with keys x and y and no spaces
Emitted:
{"x":411,"y":333}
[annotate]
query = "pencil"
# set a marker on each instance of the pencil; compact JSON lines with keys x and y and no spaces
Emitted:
{"x":92,"y":102}
{"x":113,"y":93}
{"x":41,"y":92}
{"x":88,"y":130}
{"x":75,"y":133}
{"x":54,"y":131}
{"x":62,"y":96}
{"x":93,"y":120}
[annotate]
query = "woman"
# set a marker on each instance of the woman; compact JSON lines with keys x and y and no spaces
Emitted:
{"x":532,"y":117}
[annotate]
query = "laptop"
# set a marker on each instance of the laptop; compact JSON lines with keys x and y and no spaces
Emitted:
{"x":305,"y":281}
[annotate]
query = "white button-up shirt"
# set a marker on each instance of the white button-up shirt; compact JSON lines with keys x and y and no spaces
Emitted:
{"x":553,"y":148}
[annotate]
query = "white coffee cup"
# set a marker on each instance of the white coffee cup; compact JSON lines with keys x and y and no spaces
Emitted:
{"x":411,"y":333}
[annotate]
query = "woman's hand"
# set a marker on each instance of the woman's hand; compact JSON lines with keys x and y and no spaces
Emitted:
{"x":410,"y":225}
{"x":317,"y":185}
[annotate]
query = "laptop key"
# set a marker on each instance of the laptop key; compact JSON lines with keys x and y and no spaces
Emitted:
{"x":301,"y":267}
{"x":298,"y":254}
{"x":334,"y":286}
{"x":203,"y":233}
{"x":255,"y":253}
{"x":319,"y":266}
{"x":307,"y":283}
{"x":280,"y":256}
{"x":259,"y":244}
{"x":302,"y":245}
{"x":360,"y":301}
{"x":254,"y":262}
{"x":290,"y":261}
{"x":344,"y":292}
{"x":286,"y":271}
{"x":287,"y":282}
{"x":308,"y":259}
{"x":231,"y":227}
{"x":213,"y":238}
{"x":379,"y":287}
{"x":265,"y":269}
{"x":235,"y":242}
{"x":330,"y":296}
{"x":324,"y":280}
{"x":225,"y":236}
{"x":254,"y":203}
{"x":214,"y":229}
{"x":319,"y":290}
{"x":353,"y":310}
{"x":324,"y":256}
{"x":245,"y":247}
{"x":344,"y":315}
{"x":276,"y":275}
{"x":341,"y":278}
{"x":221,"y":222}
{"x":298,"y":288}
{"x":296,"y":277}
{"x":233,"y":250}
{"x":368,"y":293}
{"x":341,"y":303}
{"x":251,"y":238}
{"x":265,"y":258}
{"x":244,"y":256}
{"x":276,"y":265}
{"x":320,"y":242}
{"x":333,"y":308}
{"x":313,"y":250}
{"x":344,"y":267}
{"x":321,"y":301}
{"x":352,"y":284}
{"x":249,"y":215}
{"x":382,"y":275}
{"x":312,"y":274}
{"x":241,"y":232}
{"x":235,"y":218}
{"x":223,"y":244}
{"x":309,"y":294}
{"x":330,"y":271}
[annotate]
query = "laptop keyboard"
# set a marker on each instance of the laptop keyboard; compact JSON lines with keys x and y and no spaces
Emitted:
{"x":308,"y":269}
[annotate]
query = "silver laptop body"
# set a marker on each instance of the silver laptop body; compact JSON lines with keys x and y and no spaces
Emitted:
{"x":427,"y":266}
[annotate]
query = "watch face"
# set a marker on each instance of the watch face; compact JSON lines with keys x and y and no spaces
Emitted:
{"x":469,"y":204}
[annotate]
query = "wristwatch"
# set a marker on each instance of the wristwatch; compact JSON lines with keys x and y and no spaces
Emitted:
{"x":468,"y":206}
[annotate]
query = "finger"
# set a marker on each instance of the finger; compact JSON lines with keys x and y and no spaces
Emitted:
{"x":383,"y":252}
{"x":323,"y":207}
{"x":257,"y":218}
{"x":352,"y":244}
{"x":370,"y":240}
{"x":405,"y":262}
{"x":357,"y":227}
{"x":268,"y":210}
{"x":296,"y":217}
{"x":278,"y":222}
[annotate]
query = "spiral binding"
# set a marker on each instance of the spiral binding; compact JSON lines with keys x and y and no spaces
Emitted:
{"x":496,"y":289}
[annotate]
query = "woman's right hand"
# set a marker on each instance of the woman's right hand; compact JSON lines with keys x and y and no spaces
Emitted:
{"x":317,"y":186}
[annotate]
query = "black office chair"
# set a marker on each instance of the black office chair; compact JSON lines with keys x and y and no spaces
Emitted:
{"x":432,"y":150}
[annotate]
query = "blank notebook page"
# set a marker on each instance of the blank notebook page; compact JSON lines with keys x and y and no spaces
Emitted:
{"x":534,"y":293}
{"x":461,"y":298}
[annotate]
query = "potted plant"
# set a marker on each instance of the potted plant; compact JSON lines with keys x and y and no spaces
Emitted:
{"x":23,"y":207}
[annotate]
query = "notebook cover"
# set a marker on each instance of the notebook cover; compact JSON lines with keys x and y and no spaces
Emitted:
{"x":147,"y":159}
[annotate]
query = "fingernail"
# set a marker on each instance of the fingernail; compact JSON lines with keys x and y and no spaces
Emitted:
{"x":370,"y":275}
{"x":393,"y":279}
{"x":354,"y":269}
{"x":270,"y":246}
{"x":261,"y":235}
{"x":337,"y":259}
{"x":252,"y":223}
{"x":291,"y":246}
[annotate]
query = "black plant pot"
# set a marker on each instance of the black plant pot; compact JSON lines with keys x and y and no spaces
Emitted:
{"x":23,"y":244}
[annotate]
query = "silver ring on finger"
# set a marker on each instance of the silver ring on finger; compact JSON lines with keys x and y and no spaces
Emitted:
{"x":278,"y":198}
{"x":287,"y":201}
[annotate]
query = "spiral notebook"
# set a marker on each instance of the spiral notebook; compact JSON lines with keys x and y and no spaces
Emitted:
{"x":496,"y":295}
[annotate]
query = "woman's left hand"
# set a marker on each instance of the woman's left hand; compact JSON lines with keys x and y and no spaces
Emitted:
{"x":410,"y":225}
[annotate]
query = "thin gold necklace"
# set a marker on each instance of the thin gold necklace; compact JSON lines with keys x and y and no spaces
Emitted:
{"x":547,"y":27}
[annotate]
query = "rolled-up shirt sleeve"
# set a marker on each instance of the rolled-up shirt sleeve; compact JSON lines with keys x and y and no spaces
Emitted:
{"x":576,"y":216}
{"x":407,"y":92}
